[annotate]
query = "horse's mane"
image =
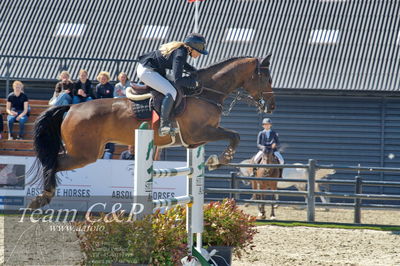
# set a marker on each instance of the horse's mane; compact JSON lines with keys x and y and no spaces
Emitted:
{"x":220,"y":64}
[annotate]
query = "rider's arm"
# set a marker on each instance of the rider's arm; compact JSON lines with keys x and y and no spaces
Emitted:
{"x":260,"y":141}
{"x":277,"y":140}
{"x":178,"y":63}
{"x":188,"y":67}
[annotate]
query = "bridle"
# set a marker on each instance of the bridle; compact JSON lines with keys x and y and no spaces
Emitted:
{"x":260,"y":103}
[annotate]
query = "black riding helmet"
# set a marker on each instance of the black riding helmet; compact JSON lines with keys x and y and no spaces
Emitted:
{"x":197,"y":42}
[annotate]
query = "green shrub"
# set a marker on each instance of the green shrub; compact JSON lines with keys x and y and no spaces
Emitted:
{"x":161,"y":239}
{"x":226,"y":225}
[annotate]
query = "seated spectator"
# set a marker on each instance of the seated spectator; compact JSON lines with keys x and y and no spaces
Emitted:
{"x":128,"y":154}
{"x":122,"y":85}
{"x":83,"y":90}
{"x":109,"y":151}
{"x":63,"y":91}
{"x":17,"y":110}
{"x":104,"y":89}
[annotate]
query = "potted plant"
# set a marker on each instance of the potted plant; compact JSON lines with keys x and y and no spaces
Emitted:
{"x":227,"y":229}
{"x":161,"y":239}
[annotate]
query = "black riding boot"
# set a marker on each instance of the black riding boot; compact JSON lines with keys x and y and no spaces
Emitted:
{"x":165,"y":122}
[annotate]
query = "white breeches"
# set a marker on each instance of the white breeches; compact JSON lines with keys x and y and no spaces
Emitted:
{"x":155,"y":80}
{"x":277,"y":154}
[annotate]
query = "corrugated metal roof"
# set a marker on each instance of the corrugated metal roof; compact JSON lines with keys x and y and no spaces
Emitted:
{"x":365,"y":55}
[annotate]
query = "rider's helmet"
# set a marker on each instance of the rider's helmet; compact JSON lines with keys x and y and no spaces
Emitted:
{"x":197,"y":42}
{"x":266,"y":121}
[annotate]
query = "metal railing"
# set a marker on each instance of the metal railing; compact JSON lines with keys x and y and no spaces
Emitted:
{"x":310,"y":194}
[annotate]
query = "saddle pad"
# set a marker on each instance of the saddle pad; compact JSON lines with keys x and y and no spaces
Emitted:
{"x":142,"y":109}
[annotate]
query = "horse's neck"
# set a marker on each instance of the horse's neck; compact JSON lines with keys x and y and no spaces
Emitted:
{"x":225,"y":78}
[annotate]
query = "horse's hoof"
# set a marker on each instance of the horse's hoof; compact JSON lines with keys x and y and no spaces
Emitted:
{"x":41,"y":200}
{"x":272,"y":218}
{"x":247,"y":205}
{"x":212,"y":162}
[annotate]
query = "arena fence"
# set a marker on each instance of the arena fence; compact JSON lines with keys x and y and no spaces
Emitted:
{"x":310,"y":194}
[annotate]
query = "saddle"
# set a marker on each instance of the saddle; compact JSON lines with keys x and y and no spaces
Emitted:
{"x":145,"y":100}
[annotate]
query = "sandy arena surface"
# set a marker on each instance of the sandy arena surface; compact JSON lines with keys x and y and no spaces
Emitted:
{"x":274,"y":245}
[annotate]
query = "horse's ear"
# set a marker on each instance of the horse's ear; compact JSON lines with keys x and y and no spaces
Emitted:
{"x":265,"y":62}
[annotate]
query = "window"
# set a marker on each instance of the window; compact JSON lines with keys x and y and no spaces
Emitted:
{"x":239,"y":35}
{"x":154,"y":32}
{"x":324,"y":36}
{"x":70,"y":30}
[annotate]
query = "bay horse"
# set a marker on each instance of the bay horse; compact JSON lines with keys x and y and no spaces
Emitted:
{"x":72,"y":136}
{"x":266,"y":158}
{"x":293,"y":173}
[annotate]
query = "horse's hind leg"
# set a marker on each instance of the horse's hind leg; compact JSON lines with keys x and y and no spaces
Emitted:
{"x":79,"y":153}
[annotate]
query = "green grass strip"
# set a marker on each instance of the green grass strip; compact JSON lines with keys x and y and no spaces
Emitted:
{"x":330,"y":225}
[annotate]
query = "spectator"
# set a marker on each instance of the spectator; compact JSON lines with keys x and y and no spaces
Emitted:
{"x":83,"y":90}
{"x":63,"y":91}
{"x":105,"y":90}
{"x":109,"y":151}
{"x":128,"y":154}
{"x":122,"y":85}
{"x":17,"y":109}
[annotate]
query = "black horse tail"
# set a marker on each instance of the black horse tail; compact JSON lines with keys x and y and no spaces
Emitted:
{"x":47,"y":144}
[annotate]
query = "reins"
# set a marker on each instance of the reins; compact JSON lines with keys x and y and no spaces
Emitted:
{"x":240,"y":96}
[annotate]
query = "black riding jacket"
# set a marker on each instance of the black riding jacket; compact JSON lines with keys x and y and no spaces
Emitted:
{"x":175,"y":61}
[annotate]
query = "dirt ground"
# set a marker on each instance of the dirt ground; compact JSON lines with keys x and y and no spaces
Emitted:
{"x":274,"y":245}
{"x":382,"y":217}
{"x":320,"y":246}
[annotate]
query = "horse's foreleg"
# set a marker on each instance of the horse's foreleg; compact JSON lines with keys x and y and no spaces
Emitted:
{"x":215,"y":134}
{"x":272,"y":216}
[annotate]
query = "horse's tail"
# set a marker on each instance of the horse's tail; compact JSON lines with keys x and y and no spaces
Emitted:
{"x":47,"y":144}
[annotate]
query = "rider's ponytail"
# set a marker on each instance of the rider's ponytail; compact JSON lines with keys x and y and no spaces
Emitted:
{"x":167,"y":48}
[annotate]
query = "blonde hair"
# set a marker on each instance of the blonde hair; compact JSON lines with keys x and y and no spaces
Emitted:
{"x":103,"y":73}
{"x":83,"y":71}
{"x":167,"y":48}
{"x":17,"y":82}
{"x":123,"y":74}
{"x":64,"y":73}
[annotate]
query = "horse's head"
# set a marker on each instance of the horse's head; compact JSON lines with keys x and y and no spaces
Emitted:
{"x":259,"y":85}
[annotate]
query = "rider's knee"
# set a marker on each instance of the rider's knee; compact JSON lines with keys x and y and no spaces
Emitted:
{"x":173,"y":93}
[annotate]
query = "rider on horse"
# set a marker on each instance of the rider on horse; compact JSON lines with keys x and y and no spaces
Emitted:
{"x":268,"y":140}
{"x":173,"y":55}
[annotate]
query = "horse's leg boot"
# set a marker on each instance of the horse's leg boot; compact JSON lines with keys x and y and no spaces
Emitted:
{"x":165,"y":122}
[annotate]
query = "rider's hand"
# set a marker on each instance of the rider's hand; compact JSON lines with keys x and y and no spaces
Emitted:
{"x":273,"y":146}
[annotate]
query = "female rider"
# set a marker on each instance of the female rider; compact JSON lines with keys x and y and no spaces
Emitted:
{"x":173,"y":55}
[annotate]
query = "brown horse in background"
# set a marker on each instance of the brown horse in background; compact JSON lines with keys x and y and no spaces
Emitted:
{"x":267,"y":158}
{"x":85,"y":128}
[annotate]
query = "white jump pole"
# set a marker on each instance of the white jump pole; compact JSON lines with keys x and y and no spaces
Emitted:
{"x":143,"y":173}
{"x":195,"y":188}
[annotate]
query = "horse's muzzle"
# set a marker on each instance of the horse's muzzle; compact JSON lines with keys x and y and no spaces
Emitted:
{"x":269,"y":108}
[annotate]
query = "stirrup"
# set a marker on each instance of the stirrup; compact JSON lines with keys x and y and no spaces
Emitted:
{"x":167,"y":130}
